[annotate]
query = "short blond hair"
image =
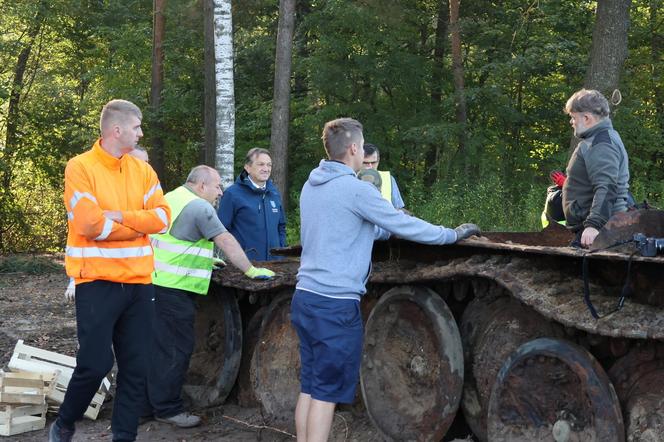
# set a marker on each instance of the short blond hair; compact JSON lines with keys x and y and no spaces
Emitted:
{"x":339,"y":134}
{"x":117,"y":112}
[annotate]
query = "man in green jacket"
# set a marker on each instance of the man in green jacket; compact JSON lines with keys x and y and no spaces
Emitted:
{"x":597,"y":181}
{"x":183,"y":262}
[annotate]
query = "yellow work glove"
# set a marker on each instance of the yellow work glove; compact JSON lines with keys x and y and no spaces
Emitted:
{"x":218,"y":263}
{"x":259,"y":273}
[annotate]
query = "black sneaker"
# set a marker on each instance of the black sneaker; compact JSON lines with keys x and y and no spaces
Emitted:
{"x":59,"y":434}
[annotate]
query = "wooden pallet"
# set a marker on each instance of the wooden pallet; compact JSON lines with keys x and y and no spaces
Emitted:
{"x":61,"y":367}
{"x":24,"y":388}
{"x":16,"y":419}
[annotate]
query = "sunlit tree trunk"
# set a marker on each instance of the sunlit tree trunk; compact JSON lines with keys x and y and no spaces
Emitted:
{"x":158,"y":31}
{"x":281,"y":100}
{"x":459,"y":93}
{"x":224,"y":91}
{"x":609,"y":46}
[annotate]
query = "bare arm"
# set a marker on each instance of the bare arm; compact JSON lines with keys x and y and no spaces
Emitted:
{"x":233,"y":251}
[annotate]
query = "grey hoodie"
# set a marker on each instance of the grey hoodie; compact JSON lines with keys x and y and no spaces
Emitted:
{"x":338,"y":215}
{"x":597,"y":178}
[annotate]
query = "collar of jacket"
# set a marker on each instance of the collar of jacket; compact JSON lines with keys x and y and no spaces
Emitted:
{"x":105,"y":158}
{"x":602,"y":125}
{"x":243,"y":180}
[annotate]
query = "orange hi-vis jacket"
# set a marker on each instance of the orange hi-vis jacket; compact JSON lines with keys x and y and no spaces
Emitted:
{"x":97,"y":247}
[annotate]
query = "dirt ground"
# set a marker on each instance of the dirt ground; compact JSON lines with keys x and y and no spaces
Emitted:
{"x":34,"y":309}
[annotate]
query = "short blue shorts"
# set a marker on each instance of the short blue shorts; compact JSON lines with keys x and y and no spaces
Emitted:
{"x":330,"y":332}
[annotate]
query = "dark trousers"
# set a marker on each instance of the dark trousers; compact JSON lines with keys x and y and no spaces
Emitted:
{"x":173,"y":345}
{"x":118,"y":315}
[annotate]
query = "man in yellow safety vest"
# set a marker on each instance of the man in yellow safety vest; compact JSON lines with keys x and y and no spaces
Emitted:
{"x":388,"y":185}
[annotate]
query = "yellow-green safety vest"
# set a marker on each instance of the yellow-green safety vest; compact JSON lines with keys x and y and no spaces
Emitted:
{"x":179,"y":264}
{"x":386,"y":185}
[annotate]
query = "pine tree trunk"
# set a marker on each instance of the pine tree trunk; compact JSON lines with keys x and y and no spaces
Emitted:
{"x":158,"y":32}
{"x":281,"y":100}
{"x":459,"y":93}
{"x":207,"y":151}
{"x":609,"y":46}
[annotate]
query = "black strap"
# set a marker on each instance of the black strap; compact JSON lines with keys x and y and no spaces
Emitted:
{"x":625,"y":292}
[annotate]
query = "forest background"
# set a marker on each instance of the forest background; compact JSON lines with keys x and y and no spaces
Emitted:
{"x":385,"y":63}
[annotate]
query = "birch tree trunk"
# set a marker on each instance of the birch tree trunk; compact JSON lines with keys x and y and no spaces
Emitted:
{"x":158,"y":31}
{"x":224,"y":91}
{"x":281,"y":99}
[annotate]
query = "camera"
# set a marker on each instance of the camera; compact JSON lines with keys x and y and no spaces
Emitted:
{"x":648,"y":246}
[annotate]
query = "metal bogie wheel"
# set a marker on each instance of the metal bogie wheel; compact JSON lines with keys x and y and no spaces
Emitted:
{"x":275,"y":365}
{"x":246,"y":396}
{"x":216,"y":358}
{"x":491,"y":329}
{"x":411,"y":375}
{"x":553,"y":390}
{"x":639,"y":380}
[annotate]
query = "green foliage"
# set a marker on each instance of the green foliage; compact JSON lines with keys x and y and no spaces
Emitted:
{"x":486,"y":203}
{"x":369,"y":59}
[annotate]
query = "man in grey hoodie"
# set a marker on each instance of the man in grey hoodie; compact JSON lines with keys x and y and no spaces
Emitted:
{"x":340,"y":218}
{"x":598,"y":170}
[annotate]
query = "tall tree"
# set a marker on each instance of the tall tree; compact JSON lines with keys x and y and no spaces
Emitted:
{"x":224,"y":91}
{"x":457,"y":67}
{"x":281,"y":100}
{"x":609,"y":45}
{"x":158,"y":31}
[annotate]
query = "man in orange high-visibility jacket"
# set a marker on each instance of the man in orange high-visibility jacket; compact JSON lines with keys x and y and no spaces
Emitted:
{"x":113,"y":202}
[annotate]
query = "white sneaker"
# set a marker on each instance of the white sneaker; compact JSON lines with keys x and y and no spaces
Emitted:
{"x":182,"y":420}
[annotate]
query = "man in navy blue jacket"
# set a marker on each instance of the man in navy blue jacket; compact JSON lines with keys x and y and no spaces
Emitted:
{"x":251,"y":208}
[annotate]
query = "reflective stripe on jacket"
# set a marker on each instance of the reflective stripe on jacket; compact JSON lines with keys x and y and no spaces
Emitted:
{"x":97,"y":247}
{"x":180,"y":264}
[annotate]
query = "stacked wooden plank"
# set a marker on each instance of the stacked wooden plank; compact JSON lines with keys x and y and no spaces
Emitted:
{"x":59,"y":369}
{"x":22,"y":402}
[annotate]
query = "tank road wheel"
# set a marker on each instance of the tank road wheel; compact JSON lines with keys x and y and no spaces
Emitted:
{"x":639,"y":381}
{"x":246,"y":396}
{"x":216,"y":359}
{"x":275,"y":366}
{"x":412,"y":367}
{"x":491,"y":329}
{"x":552,"y":390}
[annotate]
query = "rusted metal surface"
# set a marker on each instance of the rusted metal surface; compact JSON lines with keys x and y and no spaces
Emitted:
{"x":412,"y":365}
{"x":285,"y":270}
{"x":623,"y":226}
{"x":552,"y":390}
{"x":552,"y":293}
{"x":216,"y":359}
{"x":275,"y":366}
{"x":491,"y":329}
{"x":639,"y":381}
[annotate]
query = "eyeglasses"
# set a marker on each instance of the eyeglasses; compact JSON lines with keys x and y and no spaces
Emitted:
{"x":369,"y":163}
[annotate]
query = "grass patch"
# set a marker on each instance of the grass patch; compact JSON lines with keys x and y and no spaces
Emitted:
{"x":30,"y":264}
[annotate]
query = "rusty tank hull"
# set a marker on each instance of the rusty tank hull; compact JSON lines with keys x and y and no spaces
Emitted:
{"x":492,"y":330}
